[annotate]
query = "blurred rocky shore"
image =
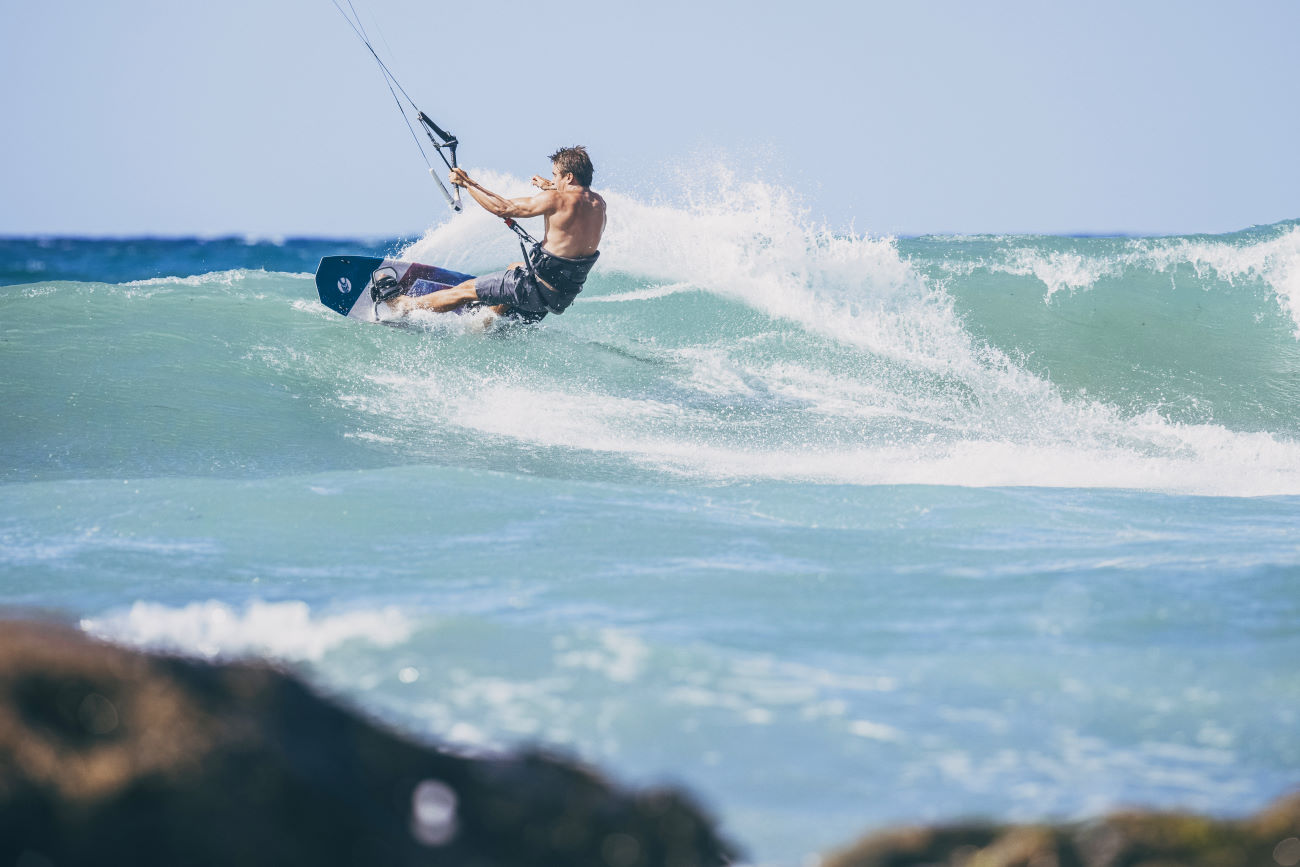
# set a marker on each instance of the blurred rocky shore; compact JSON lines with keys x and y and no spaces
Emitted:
{"x":110,"y":756}
{"x":1136,"y":838}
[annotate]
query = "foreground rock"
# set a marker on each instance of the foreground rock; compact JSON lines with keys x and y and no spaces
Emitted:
{"x":1135,"y":839}
{"x":109,"y":756}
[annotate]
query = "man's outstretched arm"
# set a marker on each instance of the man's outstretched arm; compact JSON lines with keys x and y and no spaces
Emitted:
{"x":539,"y":205}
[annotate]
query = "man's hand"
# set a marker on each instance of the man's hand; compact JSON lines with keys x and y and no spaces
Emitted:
{"x":543,"y":183}
{"x":460,"y":178}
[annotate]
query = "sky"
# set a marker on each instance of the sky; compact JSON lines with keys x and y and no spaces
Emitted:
{"x":269,"y":118}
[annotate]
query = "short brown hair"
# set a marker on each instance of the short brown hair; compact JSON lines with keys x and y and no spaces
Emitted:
{"x":574,"y":161}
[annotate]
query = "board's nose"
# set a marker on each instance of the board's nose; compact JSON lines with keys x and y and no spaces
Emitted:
{"x":341,"y":280}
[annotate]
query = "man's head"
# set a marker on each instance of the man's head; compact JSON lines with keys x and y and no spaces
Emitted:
{"x":573,"y":161}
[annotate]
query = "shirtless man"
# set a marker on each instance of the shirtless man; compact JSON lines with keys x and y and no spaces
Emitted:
{"x":557,"y":266}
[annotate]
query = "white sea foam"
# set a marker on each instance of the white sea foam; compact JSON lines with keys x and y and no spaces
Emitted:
{"x":1174,"y":458}
{"x":919,"y":401}
{"x":1060,"y":270}
{"x":219,"y":278}
{"x":474,"y":241}
{"x":875,"y":731}
{"x":620,"y":656}
{"x":285,"y":630}
{"x":315,"y":308}
{"x":646,"y":294}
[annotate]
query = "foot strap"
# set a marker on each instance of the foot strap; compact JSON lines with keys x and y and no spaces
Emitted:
{"x":385,"y":288}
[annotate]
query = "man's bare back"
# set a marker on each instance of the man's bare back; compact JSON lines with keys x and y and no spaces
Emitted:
{"x":575,"y":216}
{"x":575,"y":221}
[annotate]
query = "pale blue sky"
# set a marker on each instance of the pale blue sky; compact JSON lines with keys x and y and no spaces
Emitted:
{"x":144,"y":116}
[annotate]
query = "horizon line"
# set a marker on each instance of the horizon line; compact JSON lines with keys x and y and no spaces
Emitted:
{"x":279,"y":238}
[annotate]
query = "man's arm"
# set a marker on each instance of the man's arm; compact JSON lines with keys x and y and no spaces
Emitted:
{"x":542,"y":204}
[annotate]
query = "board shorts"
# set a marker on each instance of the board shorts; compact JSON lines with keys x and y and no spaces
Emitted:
{"x":548,"y":285}
{"x":515,"y":288}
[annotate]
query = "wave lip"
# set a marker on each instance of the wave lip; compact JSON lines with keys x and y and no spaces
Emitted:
{"x":1269,"y":256}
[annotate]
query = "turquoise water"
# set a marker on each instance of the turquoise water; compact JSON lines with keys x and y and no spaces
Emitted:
{"x":835,"y":531}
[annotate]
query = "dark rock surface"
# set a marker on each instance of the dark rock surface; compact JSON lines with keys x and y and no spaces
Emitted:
{"x":1130,"y":839}
{"x":109,"y":756}
{"x":114,"y":757}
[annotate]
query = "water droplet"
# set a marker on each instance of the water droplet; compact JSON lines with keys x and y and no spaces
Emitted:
{"x":433,"y":813}
{"x":97,"y":714}
{"x":1287,"y":853}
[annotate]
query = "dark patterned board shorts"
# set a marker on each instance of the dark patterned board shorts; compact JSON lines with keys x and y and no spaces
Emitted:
{"x":514,"y":287}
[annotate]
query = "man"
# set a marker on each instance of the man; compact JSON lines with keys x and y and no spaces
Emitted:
{"x":556,"y":267}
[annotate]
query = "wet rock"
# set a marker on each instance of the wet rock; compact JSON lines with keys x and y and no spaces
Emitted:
{"x":1128,"y":839}
{"x":110,"y":756}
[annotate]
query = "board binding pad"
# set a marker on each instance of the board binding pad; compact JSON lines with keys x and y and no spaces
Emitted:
{"x":343,"y":282}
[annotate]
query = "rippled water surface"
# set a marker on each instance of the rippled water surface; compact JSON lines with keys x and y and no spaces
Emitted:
{"x":835,"y":531}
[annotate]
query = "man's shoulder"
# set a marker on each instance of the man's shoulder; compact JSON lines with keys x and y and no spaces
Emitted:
{"x":582,"y":200}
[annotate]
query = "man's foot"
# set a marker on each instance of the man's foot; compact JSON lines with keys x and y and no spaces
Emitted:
{"x":400,"y":305}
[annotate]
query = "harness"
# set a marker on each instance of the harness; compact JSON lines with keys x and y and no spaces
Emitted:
{"x":559,"y":280}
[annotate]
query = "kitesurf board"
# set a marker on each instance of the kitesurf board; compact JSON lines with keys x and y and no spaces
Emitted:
{"x":343,"y":282}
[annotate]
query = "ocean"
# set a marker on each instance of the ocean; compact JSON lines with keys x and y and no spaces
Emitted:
{"x":836,"y":531}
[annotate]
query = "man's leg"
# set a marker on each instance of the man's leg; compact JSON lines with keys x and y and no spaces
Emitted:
{"x":447,"y":300}
{"x":442,"y":301}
